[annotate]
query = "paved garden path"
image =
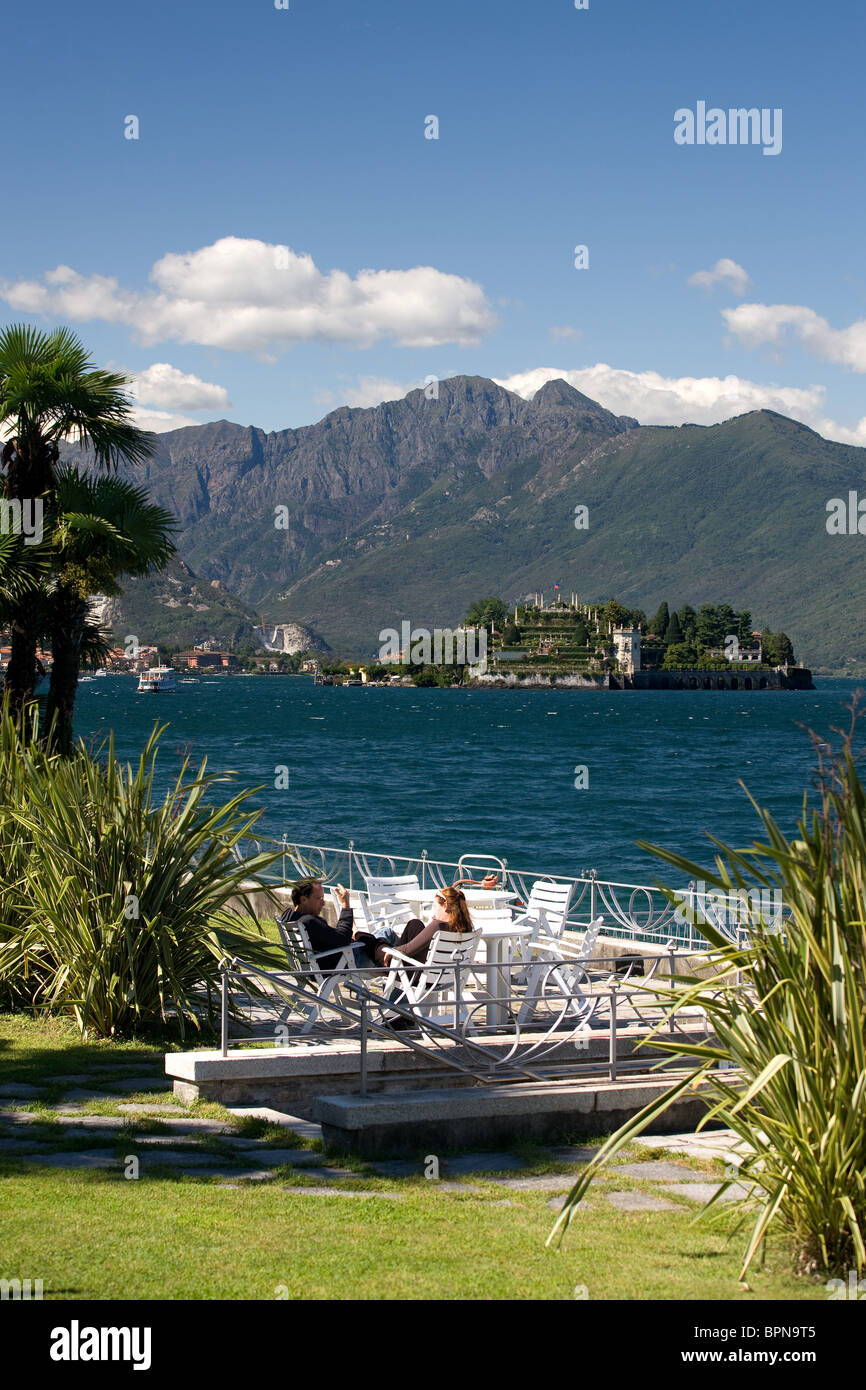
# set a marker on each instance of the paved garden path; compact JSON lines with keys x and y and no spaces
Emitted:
{"x":155,"y":1136}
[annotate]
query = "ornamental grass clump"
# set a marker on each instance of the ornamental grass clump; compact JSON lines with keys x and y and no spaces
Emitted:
{"x":115,"y":901}
{"x":785,"y":1063}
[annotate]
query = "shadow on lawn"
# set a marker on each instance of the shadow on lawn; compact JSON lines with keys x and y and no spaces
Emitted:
{"x":66,"y":1053}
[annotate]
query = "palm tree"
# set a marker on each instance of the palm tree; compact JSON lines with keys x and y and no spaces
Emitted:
{"x":50,"y":391}
{"x":102,"y":528}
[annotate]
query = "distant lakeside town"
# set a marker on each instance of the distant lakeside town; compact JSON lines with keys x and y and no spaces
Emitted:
{"x":540,"y":641}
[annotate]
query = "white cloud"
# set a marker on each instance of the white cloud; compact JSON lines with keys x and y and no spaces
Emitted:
{"x":724,"y":272}
{"x":565,"y":330}
{"x":758,"y":324}
{"x":657,"y":400}
{"x":373,"y":390}
{"x":164,"y":385}
{"x":250,"y":296}
{"x":160,"y":420}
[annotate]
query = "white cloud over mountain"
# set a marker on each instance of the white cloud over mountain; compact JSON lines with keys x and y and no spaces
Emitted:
{"x":167,"y":386}
{"x":758,"y":324}
{"x":250,"y":296}
{"x":158,"y":421}
{"x":373,"y":390}
{"x":657,"y":400}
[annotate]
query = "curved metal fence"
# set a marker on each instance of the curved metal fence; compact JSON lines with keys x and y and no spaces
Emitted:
{"x":631,"y":911}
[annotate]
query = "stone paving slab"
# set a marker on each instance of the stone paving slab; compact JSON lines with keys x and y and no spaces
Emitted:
{"x":156,"y":1141}
{"x":93,"y":1134}
{"x":399,"y":1168}
{"x":557,"y":1203}
{"x":78,"y":1078}
{"x":84,"y":1158}
{"x":21,"y":1117}
{"x":638,"y":1201}
{"x":100,"y":1139}
{"x":187,"y":1158}
{"x":482,"y":1163}
{"x":151,"y":1082}
{"x":661,"y":1172}
{"x":573,"y":1153}
{"x":722,"y":1144}
{"x":67,"y":1124}
{"x":703,"y":1191}
{"x":20,"y":1090}
{"x":454,"y":1166}
{"x":306,"y":1129}
{"x":298,"y":1158}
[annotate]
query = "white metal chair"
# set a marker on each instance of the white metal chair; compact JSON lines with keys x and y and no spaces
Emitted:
{"x":360,"y":905}
{"x":545,"y":914}
{"x":381,"y":894}
{"x":429,"y":988}
{"x":325,"y":982}
{"x":488,"y":865}
{"x":550,"y":973}
{"x":547,"y":909}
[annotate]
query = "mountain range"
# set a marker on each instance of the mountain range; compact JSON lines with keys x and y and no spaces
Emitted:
{"x":413,"y":508}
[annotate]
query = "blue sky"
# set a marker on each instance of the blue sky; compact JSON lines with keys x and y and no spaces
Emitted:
{"x":304,"y":129}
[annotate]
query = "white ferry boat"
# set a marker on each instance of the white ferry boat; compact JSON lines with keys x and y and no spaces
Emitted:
{"x":157,"y":679}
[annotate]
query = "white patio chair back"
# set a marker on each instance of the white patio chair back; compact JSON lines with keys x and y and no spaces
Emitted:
{"x":381,"y":893}
{"x":549,"y":901}
{"x":557,"y":968}
{"x":430,"y":988}
{"x":301,"y":957}
{"x":360,"y":905}
{"x":452,"y":948}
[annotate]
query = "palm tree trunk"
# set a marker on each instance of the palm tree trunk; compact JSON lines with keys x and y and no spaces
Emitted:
{"x":27,"y":465}
{"x":21,"y":673}
{"x":67,"y":632}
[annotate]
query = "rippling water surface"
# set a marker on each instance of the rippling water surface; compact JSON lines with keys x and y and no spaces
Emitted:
{"x":492,"y":771}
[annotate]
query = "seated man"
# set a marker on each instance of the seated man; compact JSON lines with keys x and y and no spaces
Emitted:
{"x":308,"y":899}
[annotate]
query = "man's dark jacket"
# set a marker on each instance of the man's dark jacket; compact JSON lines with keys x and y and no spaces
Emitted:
{"x":321,"y":935}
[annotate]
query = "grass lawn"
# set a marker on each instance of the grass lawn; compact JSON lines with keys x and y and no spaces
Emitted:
{"x":93,"y":1234}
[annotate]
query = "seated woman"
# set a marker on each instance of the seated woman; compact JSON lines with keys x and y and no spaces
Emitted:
{"x":450,"y":913}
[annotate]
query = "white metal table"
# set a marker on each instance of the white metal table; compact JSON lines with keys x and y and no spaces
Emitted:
{"x":495,"y":936}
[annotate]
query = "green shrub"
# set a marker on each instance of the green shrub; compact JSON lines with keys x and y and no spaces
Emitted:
{"x":114,"y":903}
{"x":787,"y":1016}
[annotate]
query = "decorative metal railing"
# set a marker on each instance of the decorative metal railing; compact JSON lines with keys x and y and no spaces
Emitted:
{"x":635,"y":912}
{"x":571,"y":1010}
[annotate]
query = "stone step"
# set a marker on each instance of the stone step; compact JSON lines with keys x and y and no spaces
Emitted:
{"x":456,"y":1118}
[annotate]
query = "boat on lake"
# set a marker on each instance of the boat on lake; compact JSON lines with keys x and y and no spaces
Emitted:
{"x":157,"y":679}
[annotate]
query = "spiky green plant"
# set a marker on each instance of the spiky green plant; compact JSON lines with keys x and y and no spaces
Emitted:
{"x":116,"y":905}
{"x":787,"y":1018}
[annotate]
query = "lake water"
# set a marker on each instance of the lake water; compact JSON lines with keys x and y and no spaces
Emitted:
{"x":489,"y":771}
